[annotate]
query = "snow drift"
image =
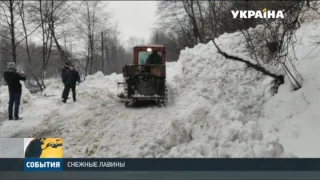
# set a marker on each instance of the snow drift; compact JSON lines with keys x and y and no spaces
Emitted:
{"x":294,"y":116}
{"x":217,"y":114}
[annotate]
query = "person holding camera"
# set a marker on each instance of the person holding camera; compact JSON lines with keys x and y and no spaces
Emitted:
{"x":13,"y":78}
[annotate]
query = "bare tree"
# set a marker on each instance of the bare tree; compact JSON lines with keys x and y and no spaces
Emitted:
{"x":24,"y":26}
{"x":134,"y":41}
{"x":118,"y":53}
{"x":173,"y":18}
{"x":107,"y":39}
{"x":4,"y":45}
{"x":102,"y":53}
{"x":9,"y":20}
{"x":170,"y":41}
{"x":189,"y":7}
{"x":278,"y":37}
{"x":44,"y":11}
{"x":87,"y":27}
{"x":59,"y":17}
{"x":193,"y":21}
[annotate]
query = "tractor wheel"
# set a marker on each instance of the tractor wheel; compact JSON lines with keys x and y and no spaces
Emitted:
{"x":163,"y":102}
{"x":126,"y":104}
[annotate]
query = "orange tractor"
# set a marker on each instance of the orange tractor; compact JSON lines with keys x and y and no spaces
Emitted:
{"x":145,"y":79}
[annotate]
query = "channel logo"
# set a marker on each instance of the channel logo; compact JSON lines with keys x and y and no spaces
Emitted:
{"x":43,"y":147}
{"x":262,"y":14}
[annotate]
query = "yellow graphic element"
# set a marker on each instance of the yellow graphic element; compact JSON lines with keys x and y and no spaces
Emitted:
{"x":264,"y":10}
{"x":51,"y":147}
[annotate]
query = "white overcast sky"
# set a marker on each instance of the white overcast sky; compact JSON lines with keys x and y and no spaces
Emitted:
{"x":134,"y":18}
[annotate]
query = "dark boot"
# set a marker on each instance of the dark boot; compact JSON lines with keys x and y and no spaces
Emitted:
{"x":17,"y":118}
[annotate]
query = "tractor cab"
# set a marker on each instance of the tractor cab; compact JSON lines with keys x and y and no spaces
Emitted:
{"x":145,"y":78}
{"x":142,"y":54}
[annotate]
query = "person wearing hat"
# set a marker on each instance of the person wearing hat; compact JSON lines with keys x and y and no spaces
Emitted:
{"x":13,"y":78}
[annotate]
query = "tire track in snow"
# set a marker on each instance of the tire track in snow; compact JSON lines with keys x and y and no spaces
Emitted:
{"x":106,"y":128}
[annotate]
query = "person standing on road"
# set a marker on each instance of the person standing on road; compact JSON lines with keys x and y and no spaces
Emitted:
{"x":70,"y":79}
{"x":13,"y":78}
{"x":63,"y":72}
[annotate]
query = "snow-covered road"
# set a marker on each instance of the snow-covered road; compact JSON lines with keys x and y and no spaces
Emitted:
{"x":33,"y":108}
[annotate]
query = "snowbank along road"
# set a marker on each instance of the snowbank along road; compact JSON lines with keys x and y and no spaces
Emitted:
{"x":217,"y":108}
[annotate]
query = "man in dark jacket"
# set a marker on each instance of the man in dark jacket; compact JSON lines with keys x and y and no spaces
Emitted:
{"x":70,"y":78}
{"x":12,"y":77}
{"x":63,"y":72}
{"x":154,"y":58}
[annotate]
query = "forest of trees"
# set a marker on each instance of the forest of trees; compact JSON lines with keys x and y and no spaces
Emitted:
{"x":40,"y":36}
{"x":188,"y":22}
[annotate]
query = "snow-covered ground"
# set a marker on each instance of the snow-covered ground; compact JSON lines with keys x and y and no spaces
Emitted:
{"x":217,"y":108}
{"x":294,"y":116}
{"x":33,"y":108}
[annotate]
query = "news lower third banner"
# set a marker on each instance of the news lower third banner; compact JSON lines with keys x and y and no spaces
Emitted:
{"x":46,"y":154}
{"x":123,"y":164}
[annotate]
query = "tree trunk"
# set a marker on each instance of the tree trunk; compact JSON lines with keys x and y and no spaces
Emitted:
{"x":108,"y":68}
{"x":102,"y":53}
{"x":201,"y":20}
{"x":27,"y":48}
{"x":43,"y":40}
{"x":188,"y":6}
{"x":92,"y":54}
{"x":52,"y":29}
{"x":12,"y":32}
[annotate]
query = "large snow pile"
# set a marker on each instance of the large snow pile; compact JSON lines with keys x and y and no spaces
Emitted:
{"x":100,"y":82}
{"x":53,"y":87}
{"x":215,"y":105}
